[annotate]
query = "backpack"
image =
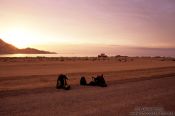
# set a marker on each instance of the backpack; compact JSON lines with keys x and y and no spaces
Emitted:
{"x":83,"y":81}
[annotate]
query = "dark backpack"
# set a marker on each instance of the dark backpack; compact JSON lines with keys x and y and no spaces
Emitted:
{"x":83,"y":81}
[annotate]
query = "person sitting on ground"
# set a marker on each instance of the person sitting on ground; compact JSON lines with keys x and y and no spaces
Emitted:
{"x":62,"y":82}
{"x":98,"y":81}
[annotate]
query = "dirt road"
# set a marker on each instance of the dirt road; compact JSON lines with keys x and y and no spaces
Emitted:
{"x":119,"y":98}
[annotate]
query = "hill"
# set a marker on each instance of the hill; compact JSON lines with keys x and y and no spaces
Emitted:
{"x":6,"y":48}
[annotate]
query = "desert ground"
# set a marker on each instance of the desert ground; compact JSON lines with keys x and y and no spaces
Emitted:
{"x":135,"y":85}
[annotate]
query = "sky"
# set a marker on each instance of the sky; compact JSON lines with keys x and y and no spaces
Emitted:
{"x":63,"y":25}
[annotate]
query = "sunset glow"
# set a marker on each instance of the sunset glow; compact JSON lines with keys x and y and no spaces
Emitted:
{"x":48,"y":23}
{"x":16,"y":37}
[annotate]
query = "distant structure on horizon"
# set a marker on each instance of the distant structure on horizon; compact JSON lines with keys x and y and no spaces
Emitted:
{"x":102,"y":55}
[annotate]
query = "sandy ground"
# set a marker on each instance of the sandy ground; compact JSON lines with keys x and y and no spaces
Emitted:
{"x":27,"y":88}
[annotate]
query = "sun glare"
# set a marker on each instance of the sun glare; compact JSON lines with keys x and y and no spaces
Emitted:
{"x":18,"y":37}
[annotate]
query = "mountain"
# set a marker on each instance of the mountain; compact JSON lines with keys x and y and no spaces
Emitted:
{"x":6,"y":48}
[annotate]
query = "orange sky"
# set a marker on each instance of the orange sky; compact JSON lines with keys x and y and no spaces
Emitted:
{"x":55,"y":24}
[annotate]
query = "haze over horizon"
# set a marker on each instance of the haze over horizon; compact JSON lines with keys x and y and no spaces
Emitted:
{"x":89,"y":25}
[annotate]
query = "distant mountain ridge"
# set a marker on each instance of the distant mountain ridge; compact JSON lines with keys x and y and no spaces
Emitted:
{"x":6,"y":48}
